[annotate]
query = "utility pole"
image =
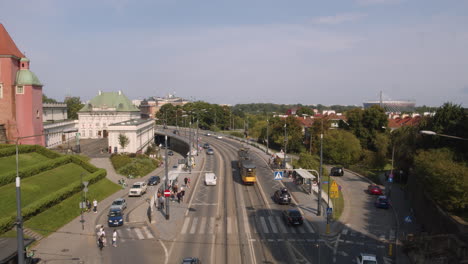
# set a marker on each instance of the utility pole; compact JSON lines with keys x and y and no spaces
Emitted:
{"x":190,"y":148}
{"x":167,"y":177}
{"x":285,"y":143}
{"x":268,"y":123}
{"x":319,"y":198}
{"x":19,"y":217}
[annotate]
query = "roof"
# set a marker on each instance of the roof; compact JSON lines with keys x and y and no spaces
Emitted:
{"x":305,"y":174}
{"x":132,"y":122}
{"x":8,"y":247}
{"x":27,"y":77}
{"x":7,"y":45}
{"x":105,"y":101}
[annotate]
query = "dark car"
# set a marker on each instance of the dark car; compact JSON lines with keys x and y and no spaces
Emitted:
{"x":282,"y":196}
{"x":209,"y":151}
{"x":170,"y":153}
{"x":191,"y":261}
{"x":115,"y":217}
{"x":154,"y":180}
{"x":382,"y":202}
{"x":374,"y":190}
{"x":293,"y":217}
{"x":337,"y":171}
{"x":206,"y":146}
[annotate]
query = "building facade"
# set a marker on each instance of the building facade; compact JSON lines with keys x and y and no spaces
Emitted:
{"x":20,"y":96}
{"x":103,"y":110}
{"x":139,"y":132}
{"x":150,"y":107}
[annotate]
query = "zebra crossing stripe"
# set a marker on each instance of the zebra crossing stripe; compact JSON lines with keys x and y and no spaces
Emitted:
{"x":138,"y":233}
{"x":185,"y":226}
{"x":202,"y":225}
{"x":308,"y":227}
{"x":264,"y":225}
{"x":229,"y":225}
{"x":148,"y":232}
{"x":120,"y":236}
{"x":273,"y":225}
{"x":194,"y":225}
{"x":281,"y":225}
{"x":344,"y":231}
{"x":301,"y":229}
{"x":211,"y":226}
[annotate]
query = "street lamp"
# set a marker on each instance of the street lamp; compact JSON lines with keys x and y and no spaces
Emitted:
{"x":167,"y":176}
{"x":285,"y":143}
{"x":268,"y":124}
{"x":432,"y":133}
{"x":319,"y":198}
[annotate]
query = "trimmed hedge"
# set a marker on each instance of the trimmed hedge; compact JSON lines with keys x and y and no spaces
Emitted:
{"x":11,"y":150}
{"x":7,"y":223}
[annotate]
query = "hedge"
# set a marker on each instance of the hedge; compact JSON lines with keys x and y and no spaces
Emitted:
{"x":10,"y":151}
{"x":8,"y":222}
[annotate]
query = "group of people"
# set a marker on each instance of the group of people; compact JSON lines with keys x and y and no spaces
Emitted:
{"x":94,"y":206}
{"x":175,"y":193}
{"x":102,"y":241}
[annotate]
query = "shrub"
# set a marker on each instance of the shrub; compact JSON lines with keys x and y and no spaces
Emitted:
{"x":139,"y":167}
{"x":120,"y":160}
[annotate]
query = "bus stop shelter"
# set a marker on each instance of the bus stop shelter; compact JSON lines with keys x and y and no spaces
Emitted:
{"x":305,"y":179}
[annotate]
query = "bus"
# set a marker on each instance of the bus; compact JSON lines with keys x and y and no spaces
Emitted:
{"x":248,"y":172}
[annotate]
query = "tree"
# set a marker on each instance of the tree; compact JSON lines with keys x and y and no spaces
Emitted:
{"x":46,"y":99}
{"x":123,"y":141}
{"x":293,"y":132}
{"x":305,"y":111}
{"x":307,"y":161}
{"x":366,"y":124}
{"x":73,"y":106}
{"x":341,"y":147}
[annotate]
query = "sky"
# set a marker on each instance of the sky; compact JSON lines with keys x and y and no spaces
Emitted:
{"x":247,"y":51}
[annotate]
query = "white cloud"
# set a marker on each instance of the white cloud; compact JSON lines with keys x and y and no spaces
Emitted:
{"x":338,"y":19}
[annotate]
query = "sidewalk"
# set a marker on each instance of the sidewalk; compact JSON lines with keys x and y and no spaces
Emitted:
{"x":74,"y":241}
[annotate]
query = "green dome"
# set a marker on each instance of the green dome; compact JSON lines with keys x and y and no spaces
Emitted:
{"x":24,"y":60}
{"x":27,"y":77}
{"x":114,"y":100}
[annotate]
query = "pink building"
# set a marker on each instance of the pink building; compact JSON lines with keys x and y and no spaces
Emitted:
{"x":20,"y":95}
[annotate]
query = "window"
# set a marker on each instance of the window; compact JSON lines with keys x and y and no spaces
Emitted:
{"x":1,"y":90}
{"x":38,"y":114}
{"x":83,"y":133}
{"x":19,"y":90}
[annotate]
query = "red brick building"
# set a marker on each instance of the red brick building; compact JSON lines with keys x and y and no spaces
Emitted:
{"x":20,"y":95}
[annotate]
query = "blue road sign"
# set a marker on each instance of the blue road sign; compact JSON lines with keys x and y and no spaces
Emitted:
{"x":278,"y":175}
{"x":329,"y":210}
{"x":325,"y":182}
{"x":408,"y":219}
{"x":390,"y":179}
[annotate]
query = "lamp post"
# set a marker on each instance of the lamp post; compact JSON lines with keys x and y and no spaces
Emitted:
{"x":285,"y":144}
{"x":432,"y":133}
{"x":166,"y":173}
{"x":319,"y":184}
{"x":267,"y":139}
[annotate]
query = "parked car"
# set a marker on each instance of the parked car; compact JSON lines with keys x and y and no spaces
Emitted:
{"x":337,"y":171}
{"x":206,"y":146}
{"x":154,"y":180}
{"x":115,"y":217}
{"x":191,"y":261}
{"x":138,"y":189}
{"x":219,"y":137}
{"x":364,"y":258}
{"x":119,"y":203}
{"x":209,"y":151}
{"x":293,"y":217}
{"x":282,"y":196}
{"x":374,"y":190}
{"x":382,"y":202}
{"x":170,"y":153}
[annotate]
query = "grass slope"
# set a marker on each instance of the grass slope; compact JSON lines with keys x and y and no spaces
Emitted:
{"x":38,"y":186}
{"x":24,"y":160}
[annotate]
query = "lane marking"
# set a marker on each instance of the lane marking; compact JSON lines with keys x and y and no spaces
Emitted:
{"x":273,"y":225}
{"x":344,"y":231}
{"x":229,"y":224}
{"x":202,"y":226}
{"x":281,"y":225}
{"x":309,"y":227}
{"x":166,"y":258}
{"x":185,"y":226}
{"x":211,"y":225}
{"x":120,"y":236}
{"x":264,"y":225}
{"x":194,"y":225}
{"x":148,"y":232}
{"x":138,"y":233}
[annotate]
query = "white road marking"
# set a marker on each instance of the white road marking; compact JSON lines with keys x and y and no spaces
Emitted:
{"x":264,"y":225}
{"x":148,"y":232}
{"x":344,"y":231}
{"x":308,"y":227}
{"x":166,"y":255}
{"x":120,"y":236}
{"x":349,"y":242}
{"x":138,"y":233}
{"x":211,"y":225}
{"x":229,"y":225}
{"x":270,"y":240}
{"x":291,"y":240}
{"x":281,"y":225}
{"x":273,"y":225}
{"x":194,"y":225}
{"x":185,"y":226}
{"x":202,"y":226}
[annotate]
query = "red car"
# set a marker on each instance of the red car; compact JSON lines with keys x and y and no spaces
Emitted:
{"x":374,"y":190}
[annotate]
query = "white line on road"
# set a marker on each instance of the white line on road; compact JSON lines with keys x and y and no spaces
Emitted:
{"x":148,"y":232}
{"x":194,"y":225}
{"x":138,"y":233}
{"x":122,"y":239}
{"x":211,"y":225}
{"x":185,"y":226}
{"x":344,"y":231}
{"x":229,"y":225}
{"x":264,"y":225}
{"x":202,"y":226}
{"x":273,"y":225}
{"x":166,"y":258}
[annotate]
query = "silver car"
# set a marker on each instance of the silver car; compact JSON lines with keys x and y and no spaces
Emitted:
{"x":119,"y":203}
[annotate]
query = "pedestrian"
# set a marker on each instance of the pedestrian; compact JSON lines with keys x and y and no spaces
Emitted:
{"x":178,"y":197}
{"x":185,"y":181}
{"x":175,"y":188}
{"x":104,"y":240}
{"x":114,"y":238}
{"x":88,"y":206}
{"x":161,"y":203}
{"x":182,"y":194}
{"x":188,"y":183}
{"x":95,"y":206}
{"x":100,"y":243}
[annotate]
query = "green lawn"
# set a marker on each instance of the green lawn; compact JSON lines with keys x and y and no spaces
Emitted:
{"x":24,"y":160}
{"x":338,"y":203}
{"x":38,"y":186}
{"x":57,"y":216}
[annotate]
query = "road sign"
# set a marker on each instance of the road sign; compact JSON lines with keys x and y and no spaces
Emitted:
{"x":278,"y":175}
{"x":82,"y":205}
{"x":408,"y":219}
{"x":329,"y":210}
{"x":85,"y":183}
{"x":325,"y":182}
{"x":390,"y":179}
{"x":85,"y":189}
{"x":334,"y":190}
{"x":167,"y":193}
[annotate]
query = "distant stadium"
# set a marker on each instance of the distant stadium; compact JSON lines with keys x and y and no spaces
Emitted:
{"x":392,"y":106}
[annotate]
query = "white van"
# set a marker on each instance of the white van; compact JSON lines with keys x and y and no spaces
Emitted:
{"x":210,"y":178}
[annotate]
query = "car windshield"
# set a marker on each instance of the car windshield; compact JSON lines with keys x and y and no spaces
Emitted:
{"x":294,"y":213}
{"x":136,"y":186}
{"x":115,"y":213}
{"x":118,"y":202}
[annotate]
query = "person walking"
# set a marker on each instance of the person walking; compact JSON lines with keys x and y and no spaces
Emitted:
{"x":188,"y":183}
{"x":179,"y":196}
{"x":95,"y":206}
{"x":100,"y":243}
{"x":114,"y":238}
{"x":88,"y":206}
{"x":161,"y":203}
{"x":182,"y":194}
{"x":185,"y":181}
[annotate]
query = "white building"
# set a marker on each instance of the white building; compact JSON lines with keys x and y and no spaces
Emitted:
{"x":139,"y":132}
{"x":58,"y":129}
{"x":105,"y":109}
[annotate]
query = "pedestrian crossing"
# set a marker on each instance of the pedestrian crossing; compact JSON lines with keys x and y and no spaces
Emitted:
{"x":383,"y":236}
{"x":134,"y":233}
{"x":260,"y":224}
